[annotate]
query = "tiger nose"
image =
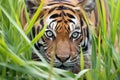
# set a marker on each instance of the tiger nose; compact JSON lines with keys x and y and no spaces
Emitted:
{"x":62,"y":58}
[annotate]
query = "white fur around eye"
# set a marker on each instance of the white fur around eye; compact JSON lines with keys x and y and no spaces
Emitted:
{"x":72,"y":26}
{"x":75,"y":34}
{"x":48,"y":20}
{"x":53,"y":25}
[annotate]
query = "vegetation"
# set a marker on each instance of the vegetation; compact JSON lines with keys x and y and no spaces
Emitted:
{"x":15,"y":48}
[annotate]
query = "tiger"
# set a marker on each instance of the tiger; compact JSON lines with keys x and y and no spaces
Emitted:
{"x":68,"y":32}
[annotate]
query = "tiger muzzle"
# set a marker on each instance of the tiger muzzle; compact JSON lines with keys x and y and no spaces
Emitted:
{"x":63,"y":51}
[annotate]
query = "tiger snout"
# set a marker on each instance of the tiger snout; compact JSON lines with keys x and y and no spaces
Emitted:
{"x":64,"y":56}
{"x":63,"y":51}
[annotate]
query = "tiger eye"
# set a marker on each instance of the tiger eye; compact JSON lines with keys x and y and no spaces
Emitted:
{"x":75,"y":35}
{"x":49,"y":33}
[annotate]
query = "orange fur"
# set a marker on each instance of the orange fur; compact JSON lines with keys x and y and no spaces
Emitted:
{"x":63,"y":46}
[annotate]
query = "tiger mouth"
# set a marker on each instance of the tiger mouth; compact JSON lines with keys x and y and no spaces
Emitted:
{"x":66,"y":65}
{"x":63,"y":67}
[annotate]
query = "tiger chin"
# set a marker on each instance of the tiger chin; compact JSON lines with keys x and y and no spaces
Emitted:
{"x":67,"y":32}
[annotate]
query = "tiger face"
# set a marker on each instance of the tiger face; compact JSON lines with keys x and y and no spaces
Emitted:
{"x":67,"y":33}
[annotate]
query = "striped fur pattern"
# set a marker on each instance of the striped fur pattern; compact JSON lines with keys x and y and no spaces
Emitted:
{"x":67,"y":31}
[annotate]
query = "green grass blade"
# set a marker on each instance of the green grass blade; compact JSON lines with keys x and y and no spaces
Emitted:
{"x":30,"y":25}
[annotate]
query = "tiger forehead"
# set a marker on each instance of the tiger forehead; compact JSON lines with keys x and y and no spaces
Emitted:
{"x":61,"y":9}
{"x":62,"y":16}
{"x":56,"y":3}
{"x":62,"y":5}
{"x":62,"y":19}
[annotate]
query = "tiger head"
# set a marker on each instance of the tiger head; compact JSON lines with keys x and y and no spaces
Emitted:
{"x":67,"y":32}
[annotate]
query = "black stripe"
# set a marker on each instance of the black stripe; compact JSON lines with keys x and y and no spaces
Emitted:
{"x":88,"y":34}
{"x":55,"y":16}
{"x":33,"y":31}
{"x":52,"y":4}
{"x":63,"y":13}
{"x":56,"y":28}
{"x":85,"y":48}
{"x":65,"y":21}
{"x":42,"y":23}
{"x":67,"y":28}
{"x":36,"y":46}
{"x":60,"y":8}
{"x":59,"y":3}
{"x":71,"y":10}
{"x":38,"y":29}
{"x":69,"y":4}
{"x":70,"y":15}
{"x":59,"y":21}
{"x":81,"y":22}
{"x":67,"y":8}
{"x":52,"y":9}
{"x":71,"y":21}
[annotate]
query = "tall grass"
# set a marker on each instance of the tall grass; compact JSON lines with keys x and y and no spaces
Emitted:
{"x":15,"y":48}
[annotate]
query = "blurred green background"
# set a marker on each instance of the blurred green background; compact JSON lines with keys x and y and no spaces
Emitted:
{"x":15,"y":48}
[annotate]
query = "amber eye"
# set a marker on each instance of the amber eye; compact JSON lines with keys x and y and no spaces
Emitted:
{"x":49,"y":34}
{"x":75,"y":35}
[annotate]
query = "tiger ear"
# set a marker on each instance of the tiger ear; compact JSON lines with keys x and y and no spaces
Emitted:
{"x":32,"y":5}
{"x":88,"y":5}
